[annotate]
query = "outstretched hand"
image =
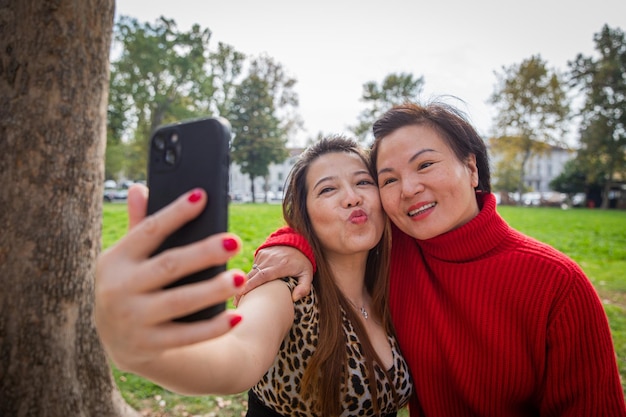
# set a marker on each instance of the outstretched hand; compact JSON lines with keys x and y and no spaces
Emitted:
{"x":133,"y":313}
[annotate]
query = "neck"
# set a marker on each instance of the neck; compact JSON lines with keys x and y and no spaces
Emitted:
{"x":349,"y":273}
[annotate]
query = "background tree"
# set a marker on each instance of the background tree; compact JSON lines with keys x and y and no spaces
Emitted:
{"x":263,"y":116}
{"x":53,"y":94}
{"x":603,"y":126}
{"x":531,"y":105}
{"x":572,"y":180}
{"x":117,"y":125}
{"x":258,"y":140}
{"x":507,"y":161}
{"x":226,"y":67}
{"x":395,"y":89}
{"x":281,"y":89}
{"x":162,"y":75}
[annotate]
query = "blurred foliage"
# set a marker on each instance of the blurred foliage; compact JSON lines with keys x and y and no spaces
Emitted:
{"x":260,"y":134}
{"x":602,"y":155}
{"x":531,"y":112}
{"x":396,"y":88}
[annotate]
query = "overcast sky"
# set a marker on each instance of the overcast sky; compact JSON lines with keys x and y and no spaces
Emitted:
{"x":333,"y":47}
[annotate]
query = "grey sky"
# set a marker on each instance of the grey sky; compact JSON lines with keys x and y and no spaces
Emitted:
{"x":333,"y":47}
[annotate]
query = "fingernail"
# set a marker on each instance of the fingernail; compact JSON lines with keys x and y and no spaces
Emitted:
{"x":230,"y":244}
{"x":234,"y":320}
{"x":195,"y":196}
{"x":238,"y":279}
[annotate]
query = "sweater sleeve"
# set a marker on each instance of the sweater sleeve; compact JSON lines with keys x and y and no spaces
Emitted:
{"x":286,"y":236}
{"x":582,"y":377}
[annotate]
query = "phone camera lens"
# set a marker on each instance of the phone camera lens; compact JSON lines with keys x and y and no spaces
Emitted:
{"x":170,"y":156}
{"x":159,"y":143}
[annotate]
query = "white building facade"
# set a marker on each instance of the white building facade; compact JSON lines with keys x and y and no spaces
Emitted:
{"x":271,"y":187}
{"x":543,"y":168}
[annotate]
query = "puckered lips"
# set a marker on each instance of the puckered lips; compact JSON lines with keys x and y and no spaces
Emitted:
{"x":421,"y":208}
{"x":358,"y":217}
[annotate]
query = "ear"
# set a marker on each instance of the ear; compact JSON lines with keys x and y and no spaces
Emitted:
{"x":472,"y":169}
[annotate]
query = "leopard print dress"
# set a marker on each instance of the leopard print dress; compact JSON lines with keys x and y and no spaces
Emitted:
{"x":278,"y":392}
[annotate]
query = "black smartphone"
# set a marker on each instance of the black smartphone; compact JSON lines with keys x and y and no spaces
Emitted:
{"x":183,"y":156}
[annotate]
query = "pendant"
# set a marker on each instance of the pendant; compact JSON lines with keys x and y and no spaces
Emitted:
{"x":364,"y":313}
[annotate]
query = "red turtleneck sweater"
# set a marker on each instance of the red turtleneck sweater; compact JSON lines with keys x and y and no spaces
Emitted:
{"x":495,"y":323}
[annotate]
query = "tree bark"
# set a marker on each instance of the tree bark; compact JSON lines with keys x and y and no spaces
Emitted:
{"x":54,"y":71}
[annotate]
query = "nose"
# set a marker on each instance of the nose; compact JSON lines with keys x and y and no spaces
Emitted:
{"x":411,"y":186}
{"x":352,"y":198}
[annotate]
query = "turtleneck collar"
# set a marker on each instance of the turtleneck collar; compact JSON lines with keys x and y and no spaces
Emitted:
{"x":474,"y":239}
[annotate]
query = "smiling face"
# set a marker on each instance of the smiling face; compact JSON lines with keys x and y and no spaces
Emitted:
{"x":424,"y":188}
{"x":343,"y":204}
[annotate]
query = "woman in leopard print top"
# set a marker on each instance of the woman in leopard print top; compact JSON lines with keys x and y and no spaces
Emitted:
{"x":333,"y":353}
{"x":278,"y":390}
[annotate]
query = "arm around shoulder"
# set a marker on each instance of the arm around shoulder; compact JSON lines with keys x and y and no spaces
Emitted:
{"x":286,"y":236}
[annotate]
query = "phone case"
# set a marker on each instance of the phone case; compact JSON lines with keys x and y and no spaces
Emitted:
{"x":184,"y":156}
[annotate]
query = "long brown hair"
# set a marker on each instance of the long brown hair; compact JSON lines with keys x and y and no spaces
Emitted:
{"x":327,"y":368}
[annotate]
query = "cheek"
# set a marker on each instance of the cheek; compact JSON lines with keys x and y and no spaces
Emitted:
{"x":313,"y":215}
{"x":389,"y":201}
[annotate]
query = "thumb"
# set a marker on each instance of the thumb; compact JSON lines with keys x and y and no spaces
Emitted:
{"x":137,"y":201}
{"x":302,"y":289}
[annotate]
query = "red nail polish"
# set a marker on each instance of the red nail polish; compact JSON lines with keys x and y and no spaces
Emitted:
{"x":230,"y":244}
{"x":195,"y":196}
{"x":234,"y":320}
{"x":238,"y":280}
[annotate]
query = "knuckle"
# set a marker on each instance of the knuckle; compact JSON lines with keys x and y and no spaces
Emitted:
{"x":178,"y":300}
{"x":166,"y":264}
{"x":125,"y":313}
{"x":150,"y":225}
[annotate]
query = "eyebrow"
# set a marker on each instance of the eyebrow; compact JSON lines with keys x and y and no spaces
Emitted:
{"x":411,"y":159}
{"x":332,"y":177}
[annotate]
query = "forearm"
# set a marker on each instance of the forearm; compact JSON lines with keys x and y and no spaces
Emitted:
{"x":221,"y":366}
{"x":235,"y":361}
{"x":286,"y":236}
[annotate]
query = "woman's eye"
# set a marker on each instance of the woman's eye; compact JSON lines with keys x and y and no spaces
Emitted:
{"x":326,"y":190}
{"x":387,"y":181}
{"x":365,"y":182}
{"x":424,"y":165}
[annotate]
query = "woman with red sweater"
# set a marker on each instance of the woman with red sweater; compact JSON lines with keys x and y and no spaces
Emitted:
{"x":490,"y":321}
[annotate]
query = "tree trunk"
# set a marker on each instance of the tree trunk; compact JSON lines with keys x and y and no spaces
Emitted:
{"x":606,"y":192}
{"x":522,"y":174}
{"x":252,"y":190}
{"x":54,"y":69}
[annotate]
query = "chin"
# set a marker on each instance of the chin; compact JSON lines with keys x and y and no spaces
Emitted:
{"x":420,"y":233}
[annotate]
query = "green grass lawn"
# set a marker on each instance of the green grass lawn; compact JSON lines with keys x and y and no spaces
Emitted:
{"x":595,"y":239}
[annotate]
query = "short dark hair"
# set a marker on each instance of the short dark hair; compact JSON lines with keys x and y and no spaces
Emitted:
{"x":451,"y":124}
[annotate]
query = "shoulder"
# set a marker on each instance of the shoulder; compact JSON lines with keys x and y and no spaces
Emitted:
{"x":542,"y":256}
{"x":544,"y":266}
{"x":305,"y":309}
{"x":268,"y":302}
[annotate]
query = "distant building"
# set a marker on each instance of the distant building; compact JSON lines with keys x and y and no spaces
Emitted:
{"x":543,"y":168}
{"x":273,"y":185}
{"x":540,"y":170}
